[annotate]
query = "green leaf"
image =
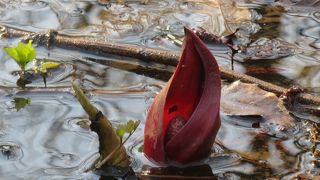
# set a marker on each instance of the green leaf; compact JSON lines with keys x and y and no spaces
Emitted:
{"x":21,"y":102}
{"x":49,"y":65}
{"x":121,"y":130}
{"x":12,"y":53}
{"x":129,"y":128}
{"x":132,"y":126}
{"x":30,"y":51}
{"x":136,"y":124}
{"x":22,"y":53}
{"x":44,"y":66}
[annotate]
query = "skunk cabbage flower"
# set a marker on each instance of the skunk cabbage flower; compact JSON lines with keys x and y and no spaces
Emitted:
{"x":183,"y":120}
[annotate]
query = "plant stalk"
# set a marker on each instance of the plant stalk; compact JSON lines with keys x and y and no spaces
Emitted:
{"x":110,"y":144}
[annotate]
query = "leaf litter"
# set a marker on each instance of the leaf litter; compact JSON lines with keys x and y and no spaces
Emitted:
{"x":260,"y":108}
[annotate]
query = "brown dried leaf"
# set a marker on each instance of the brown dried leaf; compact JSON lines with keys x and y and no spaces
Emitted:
{"x":242,"y":99}
{"x":234,"y":16}
{"x":265,"y":48}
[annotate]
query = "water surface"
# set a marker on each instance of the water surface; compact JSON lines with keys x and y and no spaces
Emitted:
{"x":44,"y":140}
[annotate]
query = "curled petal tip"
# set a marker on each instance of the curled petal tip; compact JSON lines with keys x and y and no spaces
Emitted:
{"x":187,"y":30}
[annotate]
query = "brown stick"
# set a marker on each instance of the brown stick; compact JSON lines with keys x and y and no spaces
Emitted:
{"x":146,"y":54}
{"x":149,"y":55}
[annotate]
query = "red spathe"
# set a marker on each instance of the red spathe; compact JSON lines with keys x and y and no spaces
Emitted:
{"x":183,"y":120}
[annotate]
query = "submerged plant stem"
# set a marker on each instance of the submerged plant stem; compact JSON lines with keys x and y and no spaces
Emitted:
{"x":150,"y":55}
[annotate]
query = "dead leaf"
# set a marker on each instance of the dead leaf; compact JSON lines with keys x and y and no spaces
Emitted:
{"x":265,"y":48}
{"x":234,"y":16}
{"x":243,"y":99}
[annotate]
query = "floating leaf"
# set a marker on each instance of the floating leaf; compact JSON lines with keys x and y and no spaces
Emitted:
{"x":21,"y":102}
{"x":22,"y":54}
{"x":243,"y":99}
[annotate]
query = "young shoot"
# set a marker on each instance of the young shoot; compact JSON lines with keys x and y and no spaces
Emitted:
{"x":22,"y":54}
{"x":128,"y":128}
{"x":43,"y":68}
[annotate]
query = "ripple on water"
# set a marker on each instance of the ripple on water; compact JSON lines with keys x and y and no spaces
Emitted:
{"x":54,"y":136}
{"x":32,"y":5}
{"x":256,"y":150}
{"x":316,"y":16}
{"x":78,"y":124}
{"x":46,"y":134}
{"x":22,"y":15}
{"x":10,"y":151}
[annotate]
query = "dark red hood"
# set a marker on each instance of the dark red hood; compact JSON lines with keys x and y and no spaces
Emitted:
{"x":183,"y":120}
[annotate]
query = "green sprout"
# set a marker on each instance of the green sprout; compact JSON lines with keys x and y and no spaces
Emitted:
{"x":128,"y":128}
{"x":22,"y":54}
{"x":121,"y":130}
{"x":43,"y":68}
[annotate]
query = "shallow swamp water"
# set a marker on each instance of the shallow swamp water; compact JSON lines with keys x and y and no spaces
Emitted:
{"x":47,"y":139}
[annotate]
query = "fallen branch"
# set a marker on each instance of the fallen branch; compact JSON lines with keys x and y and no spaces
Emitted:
{"x":146,"y":54}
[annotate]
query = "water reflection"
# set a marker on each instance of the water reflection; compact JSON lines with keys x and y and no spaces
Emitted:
{"x":50,"y":138}
{"x":40,"y":141}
